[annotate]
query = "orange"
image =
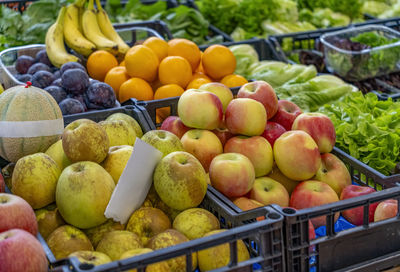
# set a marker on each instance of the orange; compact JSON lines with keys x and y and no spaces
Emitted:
{"x":135,"y":88}
{"x":141,"y":62}
{"x":159,"y":46}
{"x":115,"y":77}
{"x":99,"y":63}
{"x":122,"y":63}
{"x":185,"y":49}
{"x":196,"y":83}
{"x":200,"y":68}
{"x":175,"y":70}
{"x":159,"y":119}
{"x":169,"y":90}
{"x":233,"y":80}
{"x":218,"y":61}
{"x":155,"y":84}
{"x":197,"y":75}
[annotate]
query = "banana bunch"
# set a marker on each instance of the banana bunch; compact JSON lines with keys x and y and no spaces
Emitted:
{"x":84,"y":31}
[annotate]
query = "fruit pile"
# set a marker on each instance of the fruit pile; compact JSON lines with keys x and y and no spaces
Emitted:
{"x":254,"y":162}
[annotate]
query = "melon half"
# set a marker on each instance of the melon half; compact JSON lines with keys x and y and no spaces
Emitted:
{"x":30,"y":122}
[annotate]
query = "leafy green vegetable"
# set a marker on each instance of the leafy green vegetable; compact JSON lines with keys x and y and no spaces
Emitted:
{"x":368,"y":129}
{"x":374,"y":8}
{"x":323,"y":18}
{"x":245,"y":56}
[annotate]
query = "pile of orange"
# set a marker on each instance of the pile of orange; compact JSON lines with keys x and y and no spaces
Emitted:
{"x":158,"y":69}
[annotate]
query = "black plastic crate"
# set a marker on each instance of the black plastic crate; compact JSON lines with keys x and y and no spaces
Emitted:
{"x":306,"y":41}
{"x":262,"y":238}
{"x":159,"y":26}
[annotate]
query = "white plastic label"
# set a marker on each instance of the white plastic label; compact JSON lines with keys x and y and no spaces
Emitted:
{"x":26,"y":129}
{"x":134,"y":183}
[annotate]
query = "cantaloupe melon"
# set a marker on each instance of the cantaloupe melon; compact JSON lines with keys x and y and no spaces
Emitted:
{"x":30,"y":121}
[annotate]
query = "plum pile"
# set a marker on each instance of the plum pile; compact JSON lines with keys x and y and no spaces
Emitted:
{"x":70,"y":85}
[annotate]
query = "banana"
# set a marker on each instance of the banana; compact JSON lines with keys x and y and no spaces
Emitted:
{"x":108,"y":30}
{"x":93,"y":33}
{"x":55,"y":48}
{"x":72,"y":33}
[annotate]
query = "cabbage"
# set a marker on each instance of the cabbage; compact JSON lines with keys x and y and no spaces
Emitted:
{"x":245,"y":56}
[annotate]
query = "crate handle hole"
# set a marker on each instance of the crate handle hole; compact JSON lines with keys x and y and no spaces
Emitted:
{"x":86,"y":266}
{"x":273,"y":216}
{"x":289,"y":210}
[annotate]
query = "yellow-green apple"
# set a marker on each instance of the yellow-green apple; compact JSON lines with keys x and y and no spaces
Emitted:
{"x":119,"y":132}
{"x":200,"y":109}
{"x":157,"y":267}
{"x":83,"y":192}
{"x":147,"y":222}
{"x":35,"y":179}
{"x":246,"y":204}
{"x":296,"y":155}
{"x":85,"y":140}
{"x":320,"y":128}
{"x":333,"y":172}
{"x":16,"y":213}
{"x":163,"y":140}
{"x":256,"y":148}
{"x":180,"y":180}
{"x":21,"y":251}
{"x":115,"y":243}
{"x":272,"y":132}
{"x":239,"y":113}
{"x":286,"y":114}
{"x":170,"y":238}
{"x":195,"y":222}
{"x":2,"y":184}
{"x":232,"y":174}
{"x":170,"y":212}
{"x":312,"y":193}
{"x":219,"y":256}
{"x":385,"y":210}
{"x":288,"y":183}
{"x":66,"y":240}
{"x":97,"y":233}
{"x":116,"y":160}
{"x":131,"y":121}
{"x":222,"y":133}
{"x":48,"y":219}
{"x":203,"y":144}
{"x":56,"y":152}
{"x":262,"y":92}
{"x":174,"y":125}
{"x":91,"y":257}
{"x":268,"y":191}
{"x":223,"y":92}
{"x":356,"y":215}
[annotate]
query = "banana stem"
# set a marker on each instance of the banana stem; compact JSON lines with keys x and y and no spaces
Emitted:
{"x":80,"y":3}
{"x":61,"y":15}
{"x":91,"y":5}
{"x":99,"y":7}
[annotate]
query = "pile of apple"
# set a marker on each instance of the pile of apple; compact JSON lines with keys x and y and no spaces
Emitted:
{"x":260,"y":151}
{"x":70,"y":187}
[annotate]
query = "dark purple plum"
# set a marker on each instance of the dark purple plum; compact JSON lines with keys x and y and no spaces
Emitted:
{"x":71,"y":106}
{"x":23,"y":64}
{"x":71,"y":65}
{"x":57,"y":74}
{"x":24,"y":78}
{"x":80,"y":98}
{"x":75,"y":81}
{"x":38,"y":67}
{"x":42,"y":57}
{"x":100,"y":96}
{"x":57,"y":82}
{"x":58,"y":93}
{"x":42,"y":79}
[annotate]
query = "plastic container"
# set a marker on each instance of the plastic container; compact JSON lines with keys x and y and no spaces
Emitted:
{"x":128,"y":33}
{"x":367,"y":63}
{"x":263,"y":239}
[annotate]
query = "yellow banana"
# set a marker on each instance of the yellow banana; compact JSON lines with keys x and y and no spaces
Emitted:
{"x":93,"y":33}
{"x":55,"y":48}
{"x":72,"y":33}
{"x":108,"y":30}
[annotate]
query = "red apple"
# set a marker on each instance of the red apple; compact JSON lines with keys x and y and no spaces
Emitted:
{"x":245,"y":116}
{"x":16,"y":213}
{"x":311,"y":231}
{"x":320,"y":128}
{"x":272,"y":132}
{"x":286,"y":114}
{"x":175,"y":125}
{"x":256,"y":148}
{"x":2,"y":184}
{"x":223,"y":92}
{"x":263,"y":93}
{"x":223,"y":134}
{"x":313,"y":193}
{"x":232,"y":174}
{"x":200,"y":109}
{"x":385,"y":210}
{"x":288,"y":183}
{"x":268,"y":191}
{"x":203,"y":144}
{"x":356,"y":216}
{"x":21,"y":251}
